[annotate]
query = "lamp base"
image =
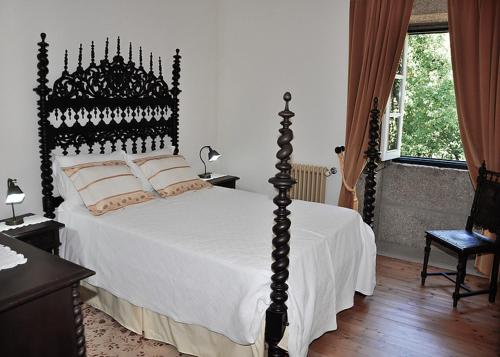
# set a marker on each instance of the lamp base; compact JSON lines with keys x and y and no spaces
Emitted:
{"x":14,"y":221}
{"x":205,"y":175}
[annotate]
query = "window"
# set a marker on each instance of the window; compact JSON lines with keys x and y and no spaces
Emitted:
{"x":392,"y":122}
{"x":423,"y":96}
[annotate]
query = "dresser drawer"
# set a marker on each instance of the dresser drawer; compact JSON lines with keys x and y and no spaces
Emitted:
{"x":48,"y":240}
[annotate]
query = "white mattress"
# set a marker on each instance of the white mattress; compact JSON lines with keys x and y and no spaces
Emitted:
{"x":204,"y":258}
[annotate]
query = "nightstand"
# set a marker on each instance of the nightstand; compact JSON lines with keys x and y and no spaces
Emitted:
{"x":223,"y":180}
{"x":43,"y":235}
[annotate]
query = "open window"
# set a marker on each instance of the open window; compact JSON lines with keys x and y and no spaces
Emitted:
{"x":420,"y":121}
{"x":392,"y":119}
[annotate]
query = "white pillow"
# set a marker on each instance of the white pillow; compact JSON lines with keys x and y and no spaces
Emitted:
{"x":63,"y":183}
{"x":129,"y":158}
{"x":106,"y":186}
{"x":169,"y":174}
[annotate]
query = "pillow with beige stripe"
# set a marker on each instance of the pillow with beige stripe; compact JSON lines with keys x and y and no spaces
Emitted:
{"x":129,"y":158}
{"x":106,"y":185}
{"x":170,"y":175}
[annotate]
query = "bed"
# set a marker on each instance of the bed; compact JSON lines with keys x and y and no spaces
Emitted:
{"x":176,"y":269}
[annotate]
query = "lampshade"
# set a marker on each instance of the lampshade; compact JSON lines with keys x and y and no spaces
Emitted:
{"x":14,"y":193}
{"x":212,"y":154}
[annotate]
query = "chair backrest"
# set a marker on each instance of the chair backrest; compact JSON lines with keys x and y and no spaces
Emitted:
{"x":485,"y":211}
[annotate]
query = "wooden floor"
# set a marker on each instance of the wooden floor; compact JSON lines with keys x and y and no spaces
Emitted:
{"x":404,"y":319}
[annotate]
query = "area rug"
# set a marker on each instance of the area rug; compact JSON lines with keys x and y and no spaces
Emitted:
{"x":107,"y":338}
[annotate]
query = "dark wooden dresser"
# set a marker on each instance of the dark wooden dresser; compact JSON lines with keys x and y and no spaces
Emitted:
{"x":40,"y":312}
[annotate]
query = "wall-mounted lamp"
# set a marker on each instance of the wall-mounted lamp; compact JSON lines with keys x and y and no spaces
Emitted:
{"x":14,"y":196}
{"x":212,"y":156}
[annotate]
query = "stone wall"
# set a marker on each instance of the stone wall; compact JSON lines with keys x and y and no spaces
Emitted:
{"x":413,"y":199}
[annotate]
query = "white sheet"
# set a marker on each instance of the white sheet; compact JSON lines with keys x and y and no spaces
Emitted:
{"x":204,"y":258}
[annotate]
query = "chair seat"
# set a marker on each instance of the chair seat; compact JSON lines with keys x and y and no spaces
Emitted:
{"x":463,"y":241}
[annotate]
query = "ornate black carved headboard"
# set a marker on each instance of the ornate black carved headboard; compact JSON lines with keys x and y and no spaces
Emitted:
{"x":107,"y":104}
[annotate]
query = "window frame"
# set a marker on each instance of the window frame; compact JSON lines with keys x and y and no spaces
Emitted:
{"x":422,"y":29}
{"x":427,"y":161}
{"x":386,"y":154}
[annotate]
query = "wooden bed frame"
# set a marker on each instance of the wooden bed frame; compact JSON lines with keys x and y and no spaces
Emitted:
{"x":120,"y":89}
{"x":372,"y":159}
{"x":146,"y":109}
{"x":97,"y":95}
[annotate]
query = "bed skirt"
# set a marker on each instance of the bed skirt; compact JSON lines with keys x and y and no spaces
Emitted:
{"x":191,"y":339}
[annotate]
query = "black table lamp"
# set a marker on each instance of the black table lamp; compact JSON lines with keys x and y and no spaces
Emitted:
{"x":14,"y":196}
{"x":212,"y":156}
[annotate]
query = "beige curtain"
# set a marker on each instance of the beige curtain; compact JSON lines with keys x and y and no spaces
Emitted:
{"x":377,"y":30}
{"x":475,"y":53}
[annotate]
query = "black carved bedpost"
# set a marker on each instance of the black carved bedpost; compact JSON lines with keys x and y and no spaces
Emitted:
{"x":45,"y":144}
{"x":175,"y":91}
{"x":276,"y":314}
{"x":373,"y":156}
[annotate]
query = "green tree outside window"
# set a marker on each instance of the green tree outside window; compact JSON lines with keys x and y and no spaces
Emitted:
{"x":431,"y":125}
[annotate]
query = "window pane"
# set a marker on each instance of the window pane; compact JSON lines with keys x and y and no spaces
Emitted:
{"x":396,"y":96}
{"x":400,"y":66}
{"x":431,"y":122}
{"x":393,"y":133}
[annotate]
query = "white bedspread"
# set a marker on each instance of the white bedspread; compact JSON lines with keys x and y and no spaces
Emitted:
{"x":204,"y":258}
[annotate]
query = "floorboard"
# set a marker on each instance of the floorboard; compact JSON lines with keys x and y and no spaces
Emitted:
{"x":404,"y":319}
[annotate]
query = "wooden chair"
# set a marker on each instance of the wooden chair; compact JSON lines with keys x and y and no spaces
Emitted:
{"x":485,"y":213}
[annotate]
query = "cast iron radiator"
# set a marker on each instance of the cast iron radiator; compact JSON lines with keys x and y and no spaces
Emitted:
{"x":311,"y":182}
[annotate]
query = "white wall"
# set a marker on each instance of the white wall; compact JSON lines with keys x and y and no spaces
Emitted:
{"x":265,"y":48}
{"x":158,"y":25}
{"x":238,"y":58}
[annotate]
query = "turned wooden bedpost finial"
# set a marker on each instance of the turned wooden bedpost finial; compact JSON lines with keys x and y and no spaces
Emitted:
{"x":482,"y":168}
{"x":45,"y":139}
{"x":276,"y":314}
{"x":65,"y":60}
{"x":80,"y":51}
{"x":106,"y":49}
{"x":175,"y":91}
{"x":92,"y":53}
{"x":373,"y":156}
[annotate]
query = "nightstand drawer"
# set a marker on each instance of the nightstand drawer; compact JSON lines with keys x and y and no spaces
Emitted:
{"x":48,"y":240}
{"x":43,"y":235}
